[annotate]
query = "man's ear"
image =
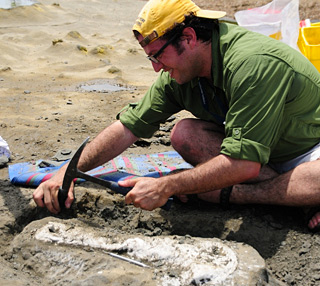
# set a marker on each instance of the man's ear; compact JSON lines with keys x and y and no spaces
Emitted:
{"x":190,"y":36}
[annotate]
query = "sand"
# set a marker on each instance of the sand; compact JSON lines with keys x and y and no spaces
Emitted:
{"x":51,"y":51}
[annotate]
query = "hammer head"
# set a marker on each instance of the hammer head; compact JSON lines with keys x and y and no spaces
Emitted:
{"x":70,"y":174}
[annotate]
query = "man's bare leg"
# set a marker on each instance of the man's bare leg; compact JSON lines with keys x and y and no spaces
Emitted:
{"x":197,"y":141}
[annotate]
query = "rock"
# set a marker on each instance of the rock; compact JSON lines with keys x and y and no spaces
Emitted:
{"x":56,"y":41}
{"x":114,"y":69}
{"x":57,"y":249}
{"x":63,"y":155}
{"x":3,"y":161}
{"x":82,"y":48}
{"x":74,"y":34}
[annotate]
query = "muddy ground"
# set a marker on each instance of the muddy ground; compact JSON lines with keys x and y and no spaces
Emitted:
{"x":44,"y":109}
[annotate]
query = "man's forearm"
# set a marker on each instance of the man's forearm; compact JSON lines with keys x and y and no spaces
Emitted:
{"x":111,"y":142}
{"x":217,"y":173}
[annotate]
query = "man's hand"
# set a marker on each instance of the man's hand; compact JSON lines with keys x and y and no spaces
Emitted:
{"x":147,"y":193}
{"x":111,"y":142}
{"x":46,"y":195}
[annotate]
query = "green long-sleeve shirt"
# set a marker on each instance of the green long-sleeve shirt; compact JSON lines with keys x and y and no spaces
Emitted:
{"x":265,"y":93}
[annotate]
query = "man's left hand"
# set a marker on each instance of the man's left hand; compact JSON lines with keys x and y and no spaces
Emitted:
{"x":147,"y":193}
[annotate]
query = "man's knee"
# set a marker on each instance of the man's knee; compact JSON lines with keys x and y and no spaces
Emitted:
{"x":181,"y":131}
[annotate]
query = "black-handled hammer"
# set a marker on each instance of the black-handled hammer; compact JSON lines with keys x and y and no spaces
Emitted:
{"x":73,"y":172}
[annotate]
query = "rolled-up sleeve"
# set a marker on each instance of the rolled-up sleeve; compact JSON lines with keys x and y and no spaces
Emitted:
{"x":158,"y":104}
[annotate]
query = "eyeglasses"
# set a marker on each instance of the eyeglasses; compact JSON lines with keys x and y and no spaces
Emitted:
{"x":154,"y":57}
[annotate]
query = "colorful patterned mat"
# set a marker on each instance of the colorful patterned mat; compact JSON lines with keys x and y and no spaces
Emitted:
{"x":33,"y":174}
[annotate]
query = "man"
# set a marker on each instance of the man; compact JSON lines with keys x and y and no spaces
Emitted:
{"x":256,"y":100}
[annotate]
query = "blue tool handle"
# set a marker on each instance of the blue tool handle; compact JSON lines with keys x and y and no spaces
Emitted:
{"x":114,"y":186}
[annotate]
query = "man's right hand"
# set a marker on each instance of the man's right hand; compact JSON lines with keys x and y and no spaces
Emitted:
{"x":46,"y":195}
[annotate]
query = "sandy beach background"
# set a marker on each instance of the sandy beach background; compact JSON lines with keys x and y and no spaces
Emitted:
{"x":50,"y":53}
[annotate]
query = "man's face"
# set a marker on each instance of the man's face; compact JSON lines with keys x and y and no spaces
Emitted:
{"x":180,"y":66}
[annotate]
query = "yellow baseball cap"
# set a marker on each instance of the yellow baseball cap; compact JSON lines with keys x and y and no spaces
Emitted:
{"x":159,"y":16}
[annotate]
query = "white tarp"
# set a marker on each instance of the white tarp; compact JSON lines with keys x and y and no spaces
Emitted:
{"x":278,"y":19}
{"x":4,"y":148}
{"x":8,"y":4}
